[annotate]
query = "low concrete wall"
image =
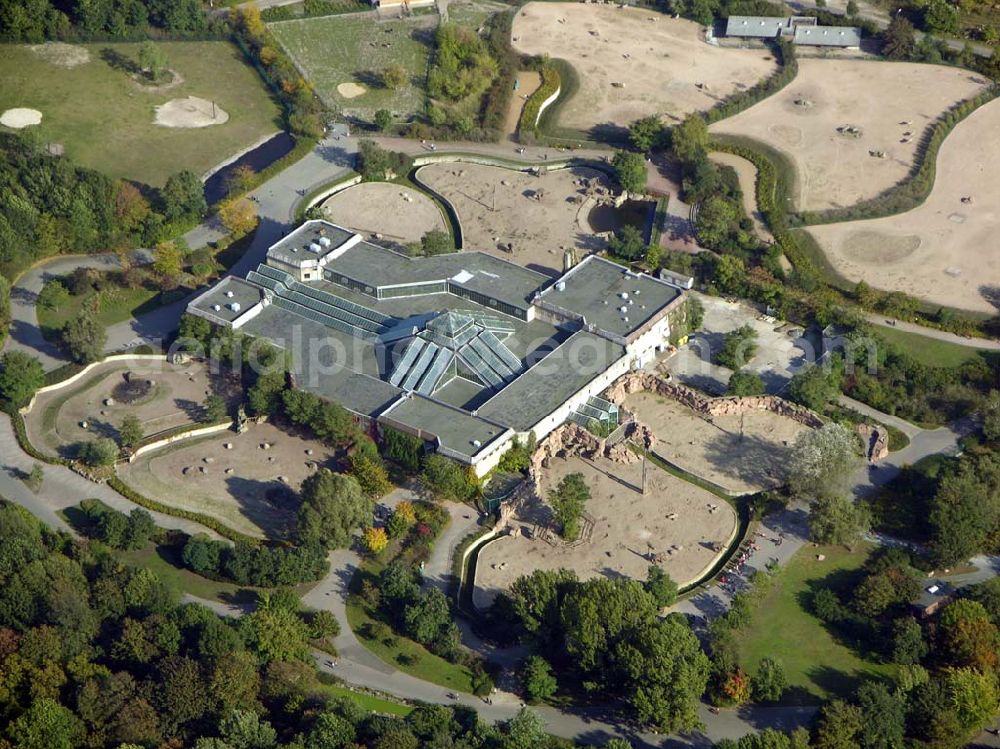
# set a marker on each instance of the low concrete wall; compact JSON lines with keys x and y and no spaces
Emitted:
{"x":546,"y":104}
{"x":332,"y":190}
{"x":190,"y":434}
{"x":87,"y":370}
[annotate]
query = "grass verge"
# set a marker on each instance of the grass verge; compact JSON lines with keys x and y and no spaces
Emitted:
{"x":928,"y":351}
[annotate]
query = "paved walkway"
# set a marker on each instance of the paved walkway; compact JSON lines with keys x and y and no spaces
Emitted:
{"x":989,"y":344}
{"x":906,"y":427}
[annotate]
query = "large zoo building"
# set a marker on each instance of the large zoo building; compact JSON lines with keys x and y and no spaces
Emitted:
{"x":465,"y":350}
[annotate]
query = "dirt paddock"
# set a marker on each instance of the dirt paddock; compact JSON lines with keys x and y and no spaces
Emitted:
{"x":673,"y":518}
{"x":882,"y":101}
{"x":739,"y":453}
{"x":397,"y":213}
{"x":664,"y":65}
{"x":247,"y":487}
{"x":540,"y":216}
{"x":174,"y":399}
{"x":191,"y":111}
{"x":945,"y":250}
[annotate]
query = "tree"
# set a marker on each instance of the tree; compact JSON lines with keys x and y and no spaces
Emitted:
{"x":627,"y":243}
{"x":646,"y":133}
{"x":275,"y":632}
{"x":371,"y":474}
{"x":448,"y":479}
{"x":394,"y":76}
{"x":243,"y":729}
{"x":660,"y":586}
{"x":239,"y":216}
{"x":99,"y":452}
{"x":883,"y":716}
{"x":770,"y":682}
{"x":814,"y":387}
{"x":839,"y":725}
{"x":689,"y":140}
{"x":375,"y":540}
{"x":630,"y":169}
{"x":838,"y":520}
{"x":240,"y":179}
{"x":738,"y":347}
{"x":718,"y":218}
{"x":84,"y":338}
{"x":130,"y":433}
{"x":46,"y":725}
{"x":852,"y":8}
{"x":730,"y":274}
{"x":537,"y":600}
{"x":823,"y":461}
{"x":908,"y":645}
{"x":537,"y":680}
{"x":428,"y":618}
{"x":973,"y":696}
{"x":964,"y":513}
{"x":383,"y":119}
{"x":524,"y":731}
{"x":436,"y":242}
{"x":898,"y":41}
{"x":183,"y":197}
{"x":941,"y":17}
{"x":333,"y":506}
{"x":152,"y":60}
{"x":168,"y":262}
{"x":968,"y":636}
{"x":35,"y":477}
{"x":21,"y":374}
{"x":744,"y":383}
{"x":215,"y":409}
{"x":568,"y":500}
{"x":53,"y":295}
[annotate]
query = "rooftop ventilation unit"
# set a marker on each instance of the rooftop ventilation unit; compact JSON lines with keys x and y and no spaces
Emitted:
{"x":560,"y":286}
{"x":325,"y":241}
{"x":314,"y":247}
{"x":625,"y":319}
{"x":235,"y":306}
{"x":217,"y":307}
{"x":229,"y":295}
{"x":477,"y":444}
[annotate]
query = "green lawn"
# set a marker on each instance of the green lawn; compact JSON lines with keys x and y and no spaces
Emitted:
{"x":113,"y":304}
{"x":473,"y":13}
{"x":818,"y":666}
{"x":104,"y":119}
{"x":337,"y":50}
{"x":165,"y":562}
{"x":367,"y":701}
{"x":926,"y":350}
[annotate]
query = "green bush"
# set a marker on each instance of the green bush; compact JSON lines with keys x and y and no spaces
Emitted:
{"x":551,"y":82}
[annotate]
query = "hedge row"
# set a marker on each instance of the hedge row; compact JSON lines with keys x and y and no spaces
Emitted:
{"x":196,"y":517}
{"x":21,"y":432}
{"x":551,"y":82}
{"x":312,"y":9}
{"x":740,"y":100}
{"x":914,"y":189}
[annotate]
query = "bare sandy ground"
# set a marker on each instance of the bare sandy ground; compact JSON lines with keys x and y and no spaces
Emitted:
{"x":395,"y":212}
{"x":673,"y":518}
{"x":350,"y":90}
{"x":740,"y":453}
{"x":664,"y":63}
{"x":945,"y":251}
{"x":254,"y":498}
{"x":191,"y":111}
{"x":20,"y":117}
{"x":835,"y":169}
{"x":62,"y":54}
{"x":540,"y":230}
{"x":174,"y":400}
{"x":528,"y":82}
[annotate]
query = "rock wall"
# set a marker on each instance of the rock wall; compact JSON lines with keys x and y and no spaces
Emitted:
{"x":729,"y":405}
{"x":875,"y":438}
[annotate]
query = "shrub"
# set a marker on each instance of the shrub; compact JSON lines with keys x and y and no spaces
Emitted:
{"x":551,"y":82}
{"x":99,"y":452}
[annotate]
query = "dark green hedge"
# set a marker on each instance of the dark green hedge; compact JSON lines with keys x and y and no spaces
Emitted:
{"x":551,"y":82}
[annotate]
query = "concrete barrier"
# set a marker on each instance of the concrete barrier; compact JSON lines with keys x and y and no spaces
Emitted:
{"x":190,"y":434}
{"x":87,"y":370}
{"x":547,"y":103}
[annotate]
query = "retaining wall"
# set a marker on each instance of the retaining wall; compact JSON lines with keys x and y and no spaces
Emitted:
{"x":189,"y":434}
{"x":86,"y":370}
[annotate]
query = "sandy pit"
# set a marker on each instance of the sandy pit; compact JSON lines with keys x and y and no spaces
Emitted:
{"x":20,"y":117}
{"x":945,"y":251}
{"x":191,"y":111}
{"x":715,"y":449}
{"x":526,"y":83}
{"x":664,"y":63}
{"x":164,"y":396}
{"x":674,"y":518}
{"x":351,"y":90}
{"x":541,"y":216}
{"x":883,"y":101}
{"x":396,"y":213}
{"x":61,"y":54}
{"x":248,"y":487}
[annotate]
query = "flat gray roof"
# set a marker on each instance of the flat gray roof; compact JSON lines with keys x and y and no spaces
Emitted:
{"x":550,"y":382}
{"x":475,"y":271}
{"x":828,"y":36}
{"x":294,"y":248}
{"x":597,"y":289}
{"x":755,"y":26}
{"x":227,"y":292}
{"x":454,"y":428}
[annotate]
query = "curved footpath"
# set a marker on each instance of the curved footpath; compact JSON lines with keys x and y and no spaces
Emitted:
{"x":277,"y":200}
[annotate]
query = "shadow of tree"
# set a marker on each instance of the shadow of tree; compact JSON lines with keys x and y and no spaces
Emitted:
{"x":117,"y":61}
{"x":748,"y":457}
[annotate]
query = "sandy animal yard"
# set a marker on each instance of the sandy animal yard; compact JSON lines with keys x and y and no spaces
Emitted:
{"x":890,"y":104}
{"x":742,"y":454}
{"x":174,"y":399}
{"x":398,"y":213}
{"x":664,"y":63}
{"x":248,"y":487}
{"x":191,"y":111}
{"x":674,"y":518}
{"x":945,"y":251}
{"x":539,"y":215}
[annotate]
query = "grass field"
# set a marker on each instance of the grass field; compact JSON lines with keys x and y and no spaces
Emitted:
{"x":104,"y":119}
{"x":165,"y":562}
{"x":926,"y":350}
{"x":473,"y":13}
{"x":338,"y":50}
{"x":817,"y":664}
{"x":113,"y":305}
{"x":368,"y":701}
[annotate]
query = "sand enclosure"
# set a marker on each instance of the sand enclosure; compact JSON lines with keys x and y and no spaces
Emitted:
{"x":883,"y":107}
{"x":62,"y":54}
{"x":945,"y":251}
{"x":632,"y":63}
{"x":397,"y":213}
{"x":541,"y":216}
{"x":247,"y":486}
{"x":674,"y":518}
{"x":742,"y":454}
{"x":162,"y":395}
{"x":351,"y":90}
{"x":20,"y":117}
{"x":191,"y":111}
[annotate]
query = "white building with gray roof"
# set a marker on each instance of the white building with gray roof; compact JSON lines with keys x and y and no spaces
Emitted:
{"x":804,"y":30}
